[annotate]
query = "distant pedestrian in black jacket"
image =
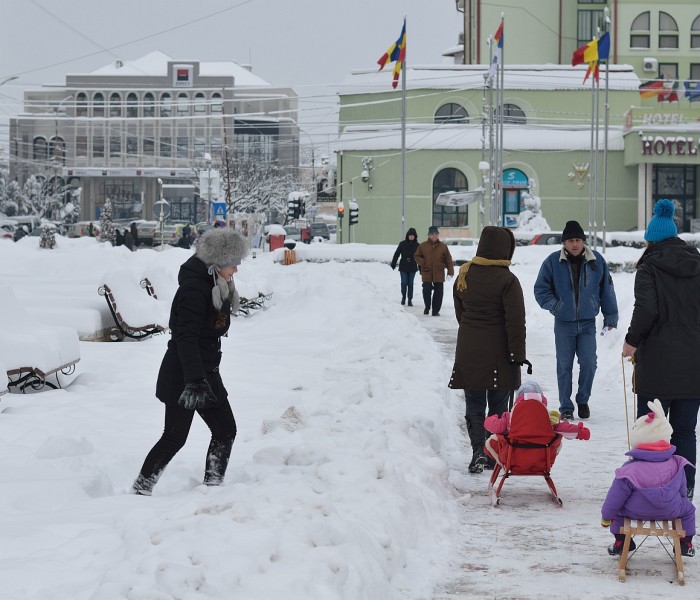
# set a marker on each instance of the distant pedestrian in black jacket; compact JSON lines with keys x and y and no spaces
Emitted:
{"x":189,"y":379}
{"x":407,"y":264}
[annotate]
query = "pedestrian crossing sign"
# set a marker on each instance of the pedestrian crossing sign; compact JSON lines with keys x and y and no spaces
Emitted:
{"x":220,"y":209}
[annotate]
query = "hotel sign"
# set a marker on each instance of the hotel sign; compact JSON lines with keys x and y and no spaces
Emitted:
{"x":668,"y":146}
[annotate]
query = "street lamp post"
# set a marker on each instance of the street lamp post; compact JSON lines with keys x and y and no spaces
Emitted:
{"x":485,"y":170}
{"x":58,"y":155}
{"x":207,"y":160}
{"x":162,"y":203}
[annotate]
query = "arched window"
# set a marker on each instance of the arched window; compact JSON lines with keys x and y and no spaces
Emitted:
{"x":695,"y":33}
{"x":640,"y":34}
{"x":200,"y":104}
{"x":149,"y":109}
{"x":217,"y":105}
{"x":132,"y":106}
{"x":166,"y":105}
{"x":81,"y":105}
{"x":182,"y":105}
{"x":668,"y":31}
{"x":40,"y":149}
{"x":98,"y":105}
{"x":451,"y":112}
{"x":512,"y":114}
{"x":57,"y":149}
{"x":115,"y":105}
{"x":449,"y":180}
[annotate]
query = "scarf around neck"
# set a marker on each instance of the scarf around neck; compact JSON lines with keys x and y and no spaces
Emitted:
{"x":477,"y":260}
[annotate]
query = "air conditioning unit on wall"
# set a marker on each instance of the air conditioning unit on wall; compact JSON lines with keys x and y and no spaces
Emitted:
{"x":650,"y":65}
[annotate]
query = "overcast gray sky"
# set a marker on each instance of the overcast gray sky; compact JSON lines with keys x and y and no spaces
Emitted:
{"x":310,"y":45}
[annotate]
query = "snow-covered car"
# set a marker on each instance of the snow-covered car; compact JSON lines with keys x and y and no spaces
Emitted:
{"x":81,"y":229}
{"x":37,"y":231}
{"x":147,"y":231}
{"x":320,"y":229}
{"x":293,"y":233}
{"x":7,"y":230}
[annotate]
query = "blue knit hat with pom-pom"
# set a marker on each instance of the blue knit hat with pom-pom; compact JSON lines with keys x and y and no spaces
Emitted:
{"x":662,"y":226}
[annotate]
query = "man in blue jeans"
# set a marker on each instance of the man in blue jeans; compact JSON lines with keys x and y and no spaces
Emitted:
{"x":574,"y":284}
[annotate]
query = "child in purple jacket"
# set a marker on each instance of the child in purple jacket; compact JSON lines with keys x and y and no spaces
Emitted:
{"x":652,"y":485}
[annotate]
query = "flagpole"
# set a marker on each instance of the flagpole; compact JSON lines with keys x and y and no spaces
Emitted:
{"x":403,"y":143}
{"x":591,"y":159}
{"x":492,"y":149}
{"x":594,"y":240}
{"x":499,"y":196}
{"x":605,"y":138}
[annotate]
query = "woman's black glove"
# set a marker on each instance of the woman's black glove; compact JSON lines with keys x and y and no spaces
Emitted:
{"x":198,"y":395}
{"x":522,"y":364}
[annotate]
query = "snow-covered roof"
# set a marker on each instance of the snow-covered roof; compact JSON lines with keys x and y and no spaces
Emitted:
{"x":156,"y":64}
{"x":516,"y":77}
{"x":469,"y":137}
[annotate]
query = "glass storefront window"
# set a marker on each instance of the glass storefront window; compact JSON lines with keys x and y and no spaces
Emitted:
{"x":125,"y":196}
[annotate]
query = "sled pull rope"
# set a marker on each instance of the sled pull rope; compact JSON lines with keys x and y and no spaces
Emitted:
{"x":624,"y":391}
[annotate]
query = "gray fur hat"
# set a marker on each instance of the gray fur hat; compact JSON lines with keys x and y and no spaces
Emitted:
{"x":222,"y":248}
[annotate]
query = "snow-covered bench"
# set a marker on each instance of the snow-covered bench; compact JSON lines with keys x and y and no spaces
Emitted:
{"x":135,"y":315}
{"x":3,"y":379}
{"x":247,"y":304}
{"x":33,"y":354}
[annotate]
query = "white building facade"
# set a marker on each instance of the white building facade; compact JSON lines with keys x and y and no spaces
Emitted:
{"x":137,"y":131}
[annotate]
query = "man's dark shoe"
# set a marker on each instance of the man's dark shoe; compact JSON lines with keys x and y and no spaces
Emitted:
{"x":583,"y":411}
{"x":410,"y":303}
{"x":436,"y":314}
{"x":567,"y":415}
{"x":426,"y":311}
{"x":403,"y":300}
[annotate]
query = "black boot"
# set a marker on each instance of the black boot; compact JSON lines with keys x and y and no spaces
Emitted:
{"x":143,"y":486}
{"x":403,"y":299}
{"x":477,"y":437}
{"x":217,"y":461}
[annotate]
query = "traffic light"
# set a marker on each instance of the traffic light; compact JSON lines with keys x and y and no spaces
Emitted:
{"x":354,"y":213}
{"x":292,"y":208}
{"x":341,"y":211}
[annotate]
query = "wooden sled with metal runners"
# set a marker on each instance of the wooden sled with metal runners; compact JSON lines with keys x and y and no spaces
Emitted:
{"x":663,"y":531}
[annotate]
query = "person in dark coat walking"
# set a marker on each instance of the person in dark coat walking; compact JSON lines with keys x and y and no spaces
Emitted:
{"x":128,"y":239}
{"x":433,"y":257}
{"x":135,"y":233}
{"x":490,"y":310}
{"x":663,"y":338}
{"x":189,"y":379}
{"x":407,"y":265}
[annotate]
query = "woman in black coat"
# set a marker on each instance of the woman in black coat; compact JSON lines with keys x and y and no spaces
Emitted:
{"x":664,"y":334}
{"x":189,"y":379}
{"x":407,"y":265}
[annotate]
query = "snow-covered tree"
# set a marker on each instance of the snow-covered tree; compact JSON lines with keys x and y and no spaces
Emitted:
{"x":531,"y":219}
{"x":107,"y":231}
{"x":48,"y":239}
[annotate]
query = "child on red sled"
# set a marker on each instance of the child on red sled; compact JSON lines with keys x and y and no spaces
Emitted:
{"x":652,"y":485}
{"x":530,"y":390}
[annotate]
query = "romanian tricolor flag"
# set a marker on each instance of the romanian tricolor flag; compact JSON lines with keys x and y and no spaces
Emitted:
{"x":496,"y":60}
{"x":649,"y":89}
{"x":592,"y":53}
{"x":396,"y":54}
